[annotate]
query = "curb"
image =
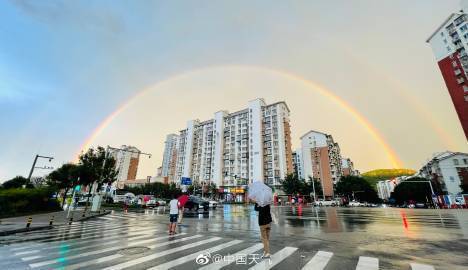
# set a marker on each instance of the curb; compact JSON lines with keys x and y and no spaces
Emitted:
{"x":38,"y":228}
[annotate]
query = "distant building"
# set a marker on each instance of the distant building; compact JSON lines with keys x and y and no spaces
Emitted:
{"x":298,"y":164}
{"x":234,"y":149}
{"x":449,"y":43}
{"x":127,"y":159}
{"x":448,"y":170}
{"x":386,"y":187}
{"x":347,"y":166}
{"x":321,"y":159}
{"x":171,"y":148}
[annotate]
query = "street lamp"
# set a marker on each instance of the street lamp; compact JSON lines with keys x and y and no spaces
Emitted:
{"x":34,"y":165}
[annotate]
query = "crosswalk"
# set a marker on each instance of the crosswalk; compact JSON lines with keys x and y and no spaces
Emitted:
{"x":120,"y":244}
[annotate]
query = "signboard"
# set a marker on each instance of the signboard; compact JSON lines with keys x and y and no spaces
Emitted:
{"x":186,"y":181}
{"x":77,"y":188}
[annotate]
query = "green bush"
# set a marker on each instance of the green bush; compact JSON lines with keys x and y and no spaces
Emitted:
{"x":17,"y":201}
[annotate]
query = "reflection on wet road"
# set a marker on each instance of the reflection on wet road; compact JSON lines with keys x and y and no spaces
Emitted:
{"x":303,"y":237}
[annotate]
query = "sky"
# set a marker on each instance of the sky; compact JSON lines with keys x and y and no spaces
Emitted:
{"x":65,"y":66}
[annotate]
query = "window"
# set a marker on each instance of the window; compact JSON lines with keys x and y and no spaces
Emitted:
{"x":452,"y":179}
{"x":441,"y":34}
{"x":455,"y":162}
{"x":445,"y":41}
{"x":465,"y":161}
{"x":454,"y":63}
{"x":448,"y":48}
{"x":466,"y":98}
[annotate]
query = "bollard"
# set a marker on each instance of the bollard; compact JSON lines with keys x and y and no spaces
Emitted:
{"x":71,"y":220}
{"x":51,"y":221}
{"x":84,"y":214}
{"x":28,"y":223}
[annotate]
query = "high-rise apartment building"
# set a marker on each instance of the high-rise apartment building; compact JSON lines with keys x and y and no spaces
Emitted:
{"x":234,"y":149}
{"x":171,"y":148}
{"x":298,"y":164}
{"x":449,"y":43}
{"x":321,"y":160}
{"x":127,"y":159}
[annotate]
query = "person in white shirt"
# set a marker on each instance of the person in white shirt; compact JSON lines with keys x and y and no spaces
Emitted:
{"x":173,"y":214}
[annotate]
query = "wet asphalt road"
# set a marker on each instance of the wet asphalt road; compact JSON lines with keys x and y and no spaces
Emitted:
{"x":301,"y":238}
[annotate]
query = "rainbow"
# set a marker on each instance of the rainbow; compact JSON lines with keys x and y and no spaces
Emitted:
{"x":391,"y":155}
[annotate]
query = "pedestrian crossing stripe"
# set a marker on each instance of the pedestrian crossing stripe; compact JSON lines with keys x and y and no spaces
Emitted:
{"x":274,"y":259}
{"x":319,"y":261}
{"x":192,"y":257}
{"x":223,"y":263}
{"x":160,"y":254}
{"x":140,"y":233}
{"x":417,"y":266}
{"x":95,"y":252}
{"x":71,"y":249}
{"x":116,"y":256}
{"x":367,"y":263}
{"x":87,"y":235}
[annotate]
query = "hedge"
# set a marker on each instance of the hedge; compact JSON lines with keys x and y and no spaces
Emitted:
{"x":19,"y":201}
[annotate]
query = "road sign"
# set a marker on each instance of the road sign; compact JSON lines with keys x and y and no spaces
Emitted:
{"x":77,"y":188}
{"x":186,"y":181}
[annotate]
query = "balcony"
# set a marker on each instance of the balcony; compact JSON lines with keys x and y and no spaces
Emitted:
{"x":457,"y":72}
{"x":460,"y":80}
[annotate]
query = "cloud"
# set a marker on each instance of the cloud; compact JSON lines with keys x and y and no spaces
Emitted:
{"x":72,"y":13}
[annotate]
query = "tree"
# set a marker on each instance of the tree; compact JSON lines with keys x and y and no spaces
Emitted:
{"x":411,"y":191}
{"x":66,"y":177}
{"x":356,"y":187}
{"x":96,"y":166}
{"x":308,"y":188}
{"x":17,"y":182}
{"x":291,"y":184}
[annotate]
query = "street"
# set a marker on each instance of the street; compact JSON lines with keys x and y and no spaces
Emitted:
{"x":302,"y":237}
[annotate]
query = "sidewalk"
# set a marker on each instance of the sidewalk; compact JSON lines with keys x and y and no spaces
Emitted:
{"x":41,"y":221}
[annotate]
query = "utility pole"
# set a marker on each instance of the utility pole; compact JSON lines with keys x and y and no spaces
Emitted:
{"x":34,"y":165}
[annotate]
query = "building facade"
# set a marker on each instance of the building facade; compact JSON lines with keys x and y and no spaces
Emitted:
{"x":386,"y":187}
{"x":171,"y":148}
{"x":298,"y":163}
{"x":447,"y":170}
{"x":127,"y":159}
{"x":234,"y":149}
{"x":449,"y":43}
{"x":321,"y":159}
{"x":347,"y":167}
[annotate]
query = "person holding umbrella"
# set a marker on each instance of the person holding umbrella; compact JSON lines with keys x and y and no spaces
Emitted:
{"x":261,"y":194}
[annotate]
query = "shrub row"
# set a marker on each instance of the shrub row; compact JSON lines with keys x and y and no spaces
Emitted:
{"x":19,"y":201}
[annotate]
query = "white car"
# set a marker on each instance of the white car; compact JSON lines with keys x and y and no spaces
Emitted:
{"x":213,"y":204}
{"x":325,"y":203}
{"x":355,"y":204}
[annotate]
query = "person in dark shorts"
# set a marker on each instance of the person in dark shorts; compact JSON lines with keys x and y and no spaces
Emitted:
{"x":264,"y":221}
{"x":173,"y":214}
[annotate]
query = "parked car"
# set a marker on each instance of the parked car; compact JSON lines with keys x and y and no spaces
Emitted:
{"x":325,"y":203}
{"x":160,"y":202}
{"x":195,"y":203}
{"x":213,"y":204}
{"x":355,"y":204}
{"x":420,"y":205}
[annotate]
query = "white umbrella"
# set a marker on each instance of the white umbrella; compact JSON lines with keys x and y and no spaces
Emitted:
{"x":260,"y":193}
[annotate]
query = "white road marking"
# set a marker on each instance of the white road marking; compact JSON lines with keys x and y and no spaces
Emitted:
{"x":160,"y":254}
{"x":417,"y":266}
{"x":319,"y":261}
{"x":95,"y":252}
{"x":275,"y":259}
{"x":367,"y":263}
{"x":116,"y":256}
{"x":221,"y":264}
{"x":192,"y":257}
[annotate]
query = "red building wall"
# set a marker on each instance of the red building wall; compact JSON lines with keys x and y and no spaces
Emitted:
{"x":455,"y":89}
